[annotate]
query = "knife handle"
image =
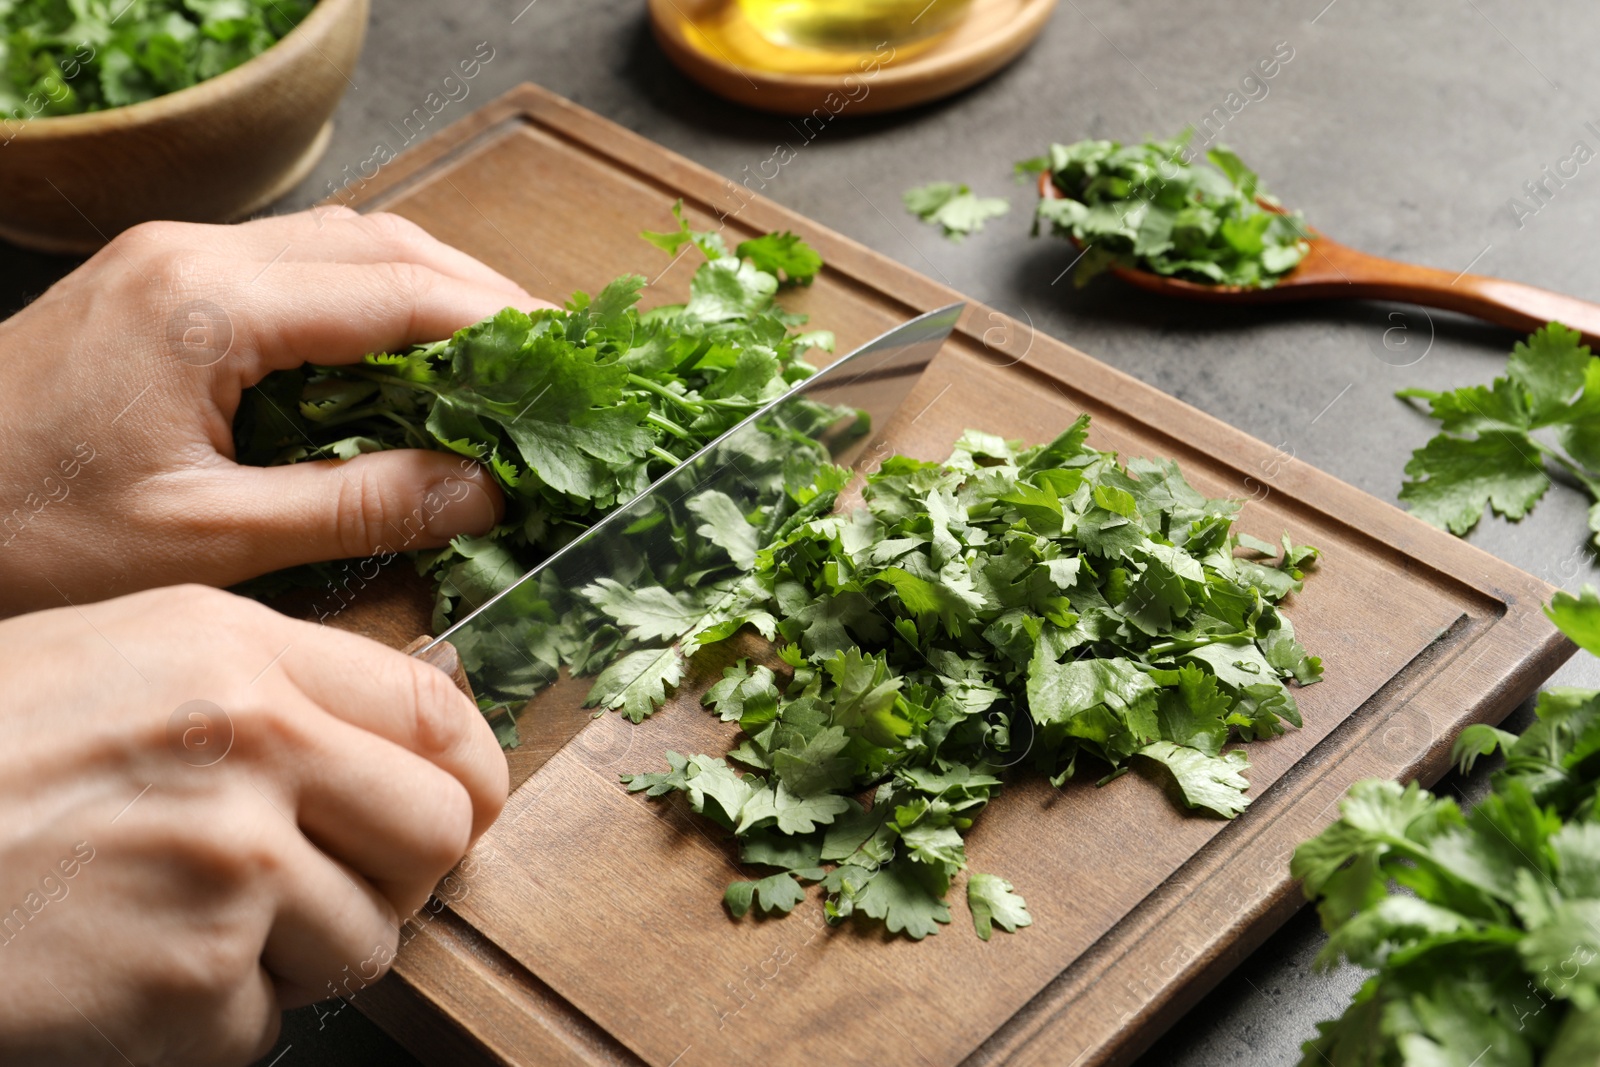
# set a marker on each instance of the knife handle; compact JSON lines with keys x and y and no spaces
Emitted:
{"x":445,"y":657}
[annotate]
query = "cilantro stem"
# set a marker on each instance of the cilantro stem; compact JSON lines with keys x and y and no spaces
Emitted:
{"x":422,"y":439}
{"x":664,"y":393}
{"x":694,"y":407}
{"x":1589,"y":484}
{"x":388,"y":379}
{"x":377,"y":411}
{"x":353,"y":415}
{"x":1162,"y":647}
{"x":663,"y":423}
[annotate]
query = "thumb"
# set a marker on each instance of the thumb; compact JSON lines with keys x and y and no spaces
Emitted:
{"x":375,"y":503}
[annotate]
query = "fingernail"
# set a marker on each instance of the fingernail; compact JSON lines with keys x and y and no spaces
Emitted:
{"x":460,"y":504}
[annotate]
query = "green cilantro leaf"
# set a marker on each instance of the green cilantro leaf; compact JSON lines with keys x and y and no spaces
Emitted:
{"x":784,"y":256}
{"x":1482,"y":929}
{"x":1452,"y":478}
{"x":906,"y":897}
{"x":993,"y":903}
{"x":776,"y":893}
{"x":1552,"y":383}
{"x":953,"y":208}
{"x":744,"y":694}
{"x":1578,"y":617}
{"x":638,"y":682}
{"x":650,"y":613}
{"x":1214,"y":782}
{"x":792,"y":814}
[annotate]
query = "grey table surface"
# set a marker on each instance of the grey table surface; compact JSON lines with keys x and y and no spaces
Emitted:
{"x":1405,"y":130}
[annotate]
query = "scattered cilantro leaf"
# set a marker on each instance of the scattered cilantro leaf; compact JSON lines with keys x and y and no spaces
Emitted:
{"x":1499,"y":440}
{"x":1578,"y":617}
{"x":778,"y":892}
{"x":992,"y":903}
{"x":1206,"y":781}
{"x":906,"y":897}
{"x":636,"y":683}
{"x":953,"y":208}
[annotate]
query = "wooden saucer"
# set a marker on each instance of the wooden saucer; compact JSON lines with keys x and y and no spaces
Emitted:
{"x":713,"y":43}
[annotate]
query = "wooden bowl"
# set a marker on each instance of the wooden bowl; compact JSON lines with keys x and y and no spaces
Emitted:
{"x":712,"y":42}
{"x":213,"y":152}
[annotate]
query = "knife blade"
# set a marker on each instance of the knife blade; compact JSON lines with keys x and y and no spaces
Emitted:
{"x":665,"y":544}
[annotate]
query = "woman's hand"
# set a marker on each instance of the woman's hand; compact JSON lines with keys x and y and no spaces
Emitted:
{"x":121,"y":382}
{"x":208,"y":812}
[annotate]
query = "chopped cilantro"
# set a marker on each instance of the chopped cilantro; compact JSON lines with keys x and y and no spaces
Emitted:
{"x":1008,"y":610}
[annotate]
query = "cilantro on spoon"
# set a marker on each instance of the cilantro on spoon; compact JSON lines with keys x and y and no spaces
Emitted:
{"x":1148,"y":207}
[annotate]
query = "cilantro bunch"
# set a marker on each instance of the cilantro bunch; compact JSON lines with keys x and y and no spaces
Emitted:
{"x":1500,"y":439}
{"x":1147,"y":207}
{"x":573,"y":412}
{"x":1043,"y":607}
{"x":61,"y":57}
{"x":1483,"y":928}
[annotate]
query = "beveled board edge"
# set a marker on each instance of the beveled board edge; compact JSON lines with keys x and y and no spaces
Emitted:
{"x":1476,"y":672}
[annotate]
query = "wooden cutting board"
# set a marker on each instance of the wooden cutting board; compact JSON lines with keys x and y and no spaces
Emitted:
{"x":587,"y":926}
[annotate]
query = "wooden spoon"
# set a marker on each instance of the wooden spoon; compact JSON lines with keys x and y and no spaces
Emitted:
{"x":1334,"y":271}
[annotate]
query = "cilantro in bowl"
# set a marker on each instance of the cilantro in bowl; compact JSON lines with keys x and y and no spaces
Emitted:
{"x":62,"y":57}
{"x":1148,"y":207}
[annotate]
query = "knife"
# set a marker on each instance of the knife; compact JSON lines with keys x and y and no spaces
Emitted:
{"x":663,"y":544}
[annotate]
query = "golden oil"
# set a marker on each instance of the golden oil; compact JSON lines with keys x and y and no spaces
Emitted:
{"x":851,"y":24}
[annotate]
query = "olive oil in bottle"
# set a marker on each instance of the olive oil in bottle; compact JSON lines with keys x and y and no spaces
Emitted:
{"x":851,"y":24}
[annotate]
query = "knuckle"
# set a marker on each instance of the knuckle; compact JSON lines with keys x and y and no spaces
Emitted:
{"x":208,"y":606}
{"x":176,"y":258}
{"x":334,"y":212}
{"x":223,"y":859}
{"x":361,"y":512}
{"x":451,"y":823}
{"x":396,"y":230}
{"x":407,"y":282}
{"x":149,"y":237}
{"x":210,"y":964}
{"x":269,"y":732}
{"x":442,"y":714}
